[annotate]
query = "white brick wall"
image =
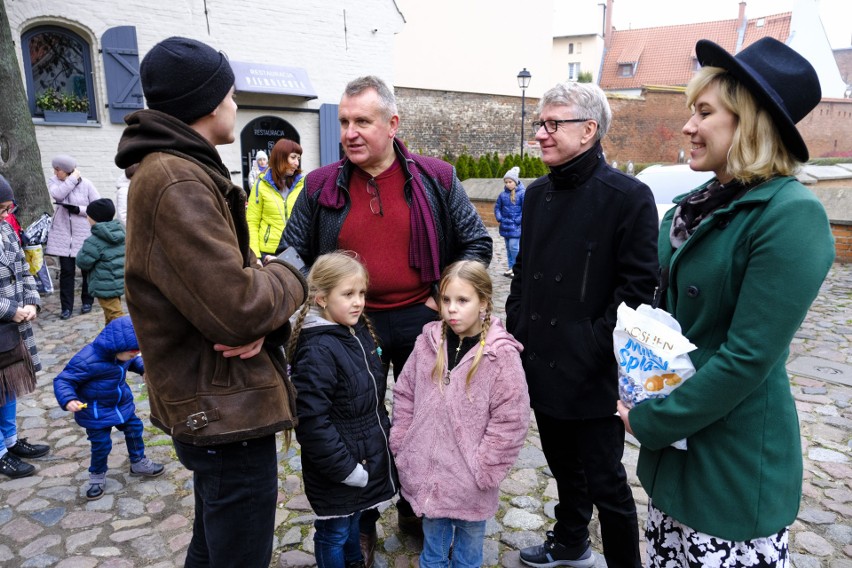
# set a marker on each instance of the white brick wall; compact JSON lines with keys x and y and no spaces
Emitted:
{"x":308,"y":34}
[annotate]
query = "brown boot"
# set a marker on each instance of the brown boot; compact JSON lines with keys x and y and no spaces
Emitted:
{"x":368,"y":548}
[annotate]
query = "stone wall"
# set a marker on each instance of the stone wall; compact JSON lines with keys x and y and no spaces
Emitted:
{"x":646,"y":129}
{"x":440,"y":122}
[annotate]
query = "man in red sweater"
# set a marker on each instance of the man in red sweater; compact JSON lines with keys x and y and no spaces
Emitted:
{"x":407,"y":216}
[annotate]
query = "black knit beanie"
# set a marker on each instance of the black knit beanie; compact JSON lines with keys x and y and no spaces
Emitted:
{"x":5,"y":191}
{"x":185,"y":78}
{"x":101,"y":210}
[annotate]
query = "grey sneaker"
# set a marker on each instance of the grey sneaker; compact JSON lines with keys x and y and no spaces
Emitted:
{"x":551,"y":554}
{"x":97,"y":481}
{"x":146,"y":468}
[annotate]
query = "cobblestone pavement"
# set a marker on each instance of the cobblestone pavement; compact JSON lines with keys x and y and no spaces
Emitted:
{"x":45,"y":519}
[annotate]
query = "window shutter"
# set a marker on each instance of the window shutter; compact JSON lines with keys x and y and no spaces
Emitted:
{"x":121,"y":67}
{"x":330,"y":150}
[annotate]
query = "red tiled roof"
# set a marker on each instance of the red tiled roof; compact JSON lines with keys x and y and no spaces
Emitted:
{"x":666,"y":55}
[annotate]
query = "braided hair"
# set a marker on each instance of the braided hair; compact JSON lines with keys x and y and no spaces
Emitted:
{"x":326,"y":273}
{"x":474,"y":273}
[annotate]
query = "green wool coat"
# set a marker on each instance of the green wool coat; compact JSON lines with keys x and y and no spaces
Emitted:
{"x":102,"y":256}
{"x":740,"y":287}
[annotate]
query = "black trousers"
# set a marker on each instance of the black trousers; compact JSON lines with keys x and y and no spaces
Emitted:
{"x":397,"y":331}
{"x":585,"y":459}
{"x":236,"y":489}
{"x":67,"y":273}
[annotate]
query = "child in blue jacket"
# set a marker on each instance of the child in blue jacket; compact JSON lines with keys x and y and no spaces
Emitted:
{"x":93,"y":386}
{"x":507,"y":211}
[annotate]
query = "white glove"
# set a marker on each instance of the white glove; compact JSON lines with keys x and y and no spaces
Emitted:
{"x":358,"y":478}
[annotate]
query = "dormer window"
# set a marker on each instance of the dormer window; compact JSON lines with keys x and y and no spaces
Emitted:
{"x":626,"y":69}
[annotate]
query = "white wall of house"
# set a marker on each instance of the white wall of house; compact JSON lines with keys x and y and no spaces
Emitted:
{"x":475,"y":46}
{"x":334,"y":40}
{"x":576,"y":54}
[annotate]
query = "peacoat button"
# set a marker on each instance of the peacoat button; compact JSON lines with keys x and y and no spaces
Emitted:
{"x":534,"y":316}
{"x":553,"y":321}
{"x":531,"y":356}
{"x":693,"y":291}
{"x":363,"y":462}
{"x":538,"y":275}
{"x":553,"y":364}
{"x":548,"y":197}
{"x":558,"y":277}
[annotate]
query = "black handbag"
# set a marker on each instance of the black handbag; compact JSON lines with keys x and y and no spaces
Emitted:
{"x":10,"y":338}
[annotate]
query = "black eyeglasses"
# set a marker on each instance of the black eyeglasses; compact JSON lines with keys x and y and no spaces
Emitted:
{"x":376,"y":201}
{"x":550,"y":126}
{"x":10,"y":209}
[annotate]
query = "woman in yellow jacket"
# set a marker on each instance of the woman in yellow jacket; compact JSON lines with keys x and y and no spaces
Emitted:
{"x":272,"y":197}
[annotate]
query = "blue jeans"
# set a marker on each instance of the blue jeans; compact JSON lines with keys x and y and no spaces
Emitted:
{"x":512,"y":246}
{"x":337,"y":542}
{"x":8,"y":426}
{"x":466,"y":537}
{"x":236,"y":488}
{"x":102,"y":443}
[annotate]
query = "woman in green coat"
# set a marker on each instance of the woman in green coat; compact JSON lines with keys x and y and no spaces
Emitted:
{"x":743,"y":257}
{"x":272,"y":197}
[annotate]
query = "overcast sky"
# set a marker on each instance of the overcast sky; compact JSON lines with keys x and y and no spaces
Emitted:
{"x":836,"y":15}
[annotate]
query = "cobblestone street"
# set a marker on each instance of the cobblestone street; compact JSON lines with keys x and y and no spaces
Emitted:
{"x":45,"y":520}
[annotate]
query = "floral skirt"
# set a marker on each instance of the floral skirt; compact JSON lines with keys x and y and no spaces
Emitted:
{"x":674,"y":545}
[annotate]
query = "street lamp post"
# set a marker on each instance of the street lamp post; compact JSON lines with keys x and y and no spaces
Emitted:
{"x":523,"y":82}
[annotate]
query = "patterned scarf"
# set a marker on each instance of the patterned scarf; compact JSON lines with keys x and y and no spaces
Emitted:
{"x":698,"y":206}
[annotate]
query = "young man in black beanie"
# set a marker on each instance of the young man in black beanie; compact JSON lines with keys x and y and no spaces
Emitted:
{"x":102,"y":257}
{"x":209,"y":318}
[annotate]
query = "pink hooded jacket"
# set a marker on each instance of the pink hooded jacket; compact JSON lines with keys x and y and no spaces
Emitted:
{"x":453,"y":448}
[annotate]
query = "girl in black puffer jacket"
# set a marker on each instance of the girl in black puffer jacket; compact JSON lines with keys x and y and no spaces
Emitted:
{"x":343,"y":423}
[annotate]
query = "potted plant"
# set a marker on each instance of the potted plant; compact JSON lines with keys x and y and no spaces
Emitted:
{"x":59,"y":106}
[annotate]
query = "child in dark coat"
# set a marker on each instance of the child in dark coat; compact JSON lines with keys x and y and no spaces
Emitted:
{"x":102,"y":257}
{"x":93,"y":386}
{"x":343,"y":423}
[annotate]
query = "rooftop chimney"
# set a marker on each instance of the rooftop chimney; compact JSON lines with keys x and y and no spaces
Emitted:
{"x":742,"y":12}
{"x":608,"y":23}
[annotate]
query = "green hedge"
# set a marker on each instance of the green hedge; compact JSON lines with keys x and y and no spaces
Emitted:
{"x":492,"y":166}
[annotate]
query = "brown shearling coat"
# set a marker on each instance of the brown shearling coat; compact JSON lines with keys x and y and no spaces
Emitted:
{"x":192,"y":282}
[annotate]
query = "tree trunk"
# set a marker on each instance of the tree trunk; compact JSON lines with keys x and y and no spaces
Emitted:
{"x":20,"y":158}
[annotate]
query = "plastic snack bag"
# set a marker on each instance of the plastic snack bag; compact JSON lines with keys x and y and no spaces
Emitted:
{"x":652,"y":355}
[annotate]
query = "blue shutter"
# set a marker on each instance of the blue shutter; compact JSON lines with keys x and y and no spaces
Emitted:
{"x":330,"y":150}
{"x":121,"y":67}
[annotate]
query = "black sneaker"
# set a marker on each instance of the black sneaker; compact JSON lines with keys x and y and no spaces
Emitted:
{"x":86,"y":308}
{"x":12,"y":466}
{"x":551,"y":553}
{"x":97,"y":481}
{"x":24,"y":449}
{"x":66,"y":314}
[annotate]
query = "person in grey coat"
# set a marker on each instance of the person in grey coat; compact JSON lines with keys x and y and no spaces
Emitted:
{"x":71,"y":193}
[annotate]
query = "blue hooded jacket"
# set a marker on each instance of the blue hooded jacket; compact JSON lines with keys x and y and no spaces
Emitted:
{"x":508,"y":214}
{"x":96,"y":377}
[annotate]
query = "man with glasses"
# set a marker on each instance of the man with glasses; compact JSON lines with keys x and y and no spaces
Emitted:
{"x":407,"y":216}
{"x":589,"y":243}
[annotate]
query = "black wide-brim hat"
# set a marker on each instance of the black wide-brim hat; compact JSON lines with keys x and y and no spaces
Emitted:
{"x":783,"y":82}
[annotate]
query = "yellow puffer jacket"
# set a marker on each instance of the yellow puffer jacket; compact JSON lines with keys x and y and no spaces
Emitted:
{"x":268,"y":212}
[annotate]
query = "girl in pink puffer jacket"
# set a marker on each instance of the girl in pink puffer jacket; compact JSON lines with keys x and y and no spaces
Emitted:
{"x":460,"y":417}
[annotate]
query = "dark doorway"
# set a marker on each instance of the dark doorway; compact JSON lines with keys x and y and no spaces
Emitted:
{"x":261,"y":134}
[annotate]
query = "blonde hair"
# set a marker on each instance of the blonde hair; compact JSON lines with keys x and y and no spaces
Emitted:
{"x":328,"y":271}
{"x":757,"y":150}
{"x":475,"y":274}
